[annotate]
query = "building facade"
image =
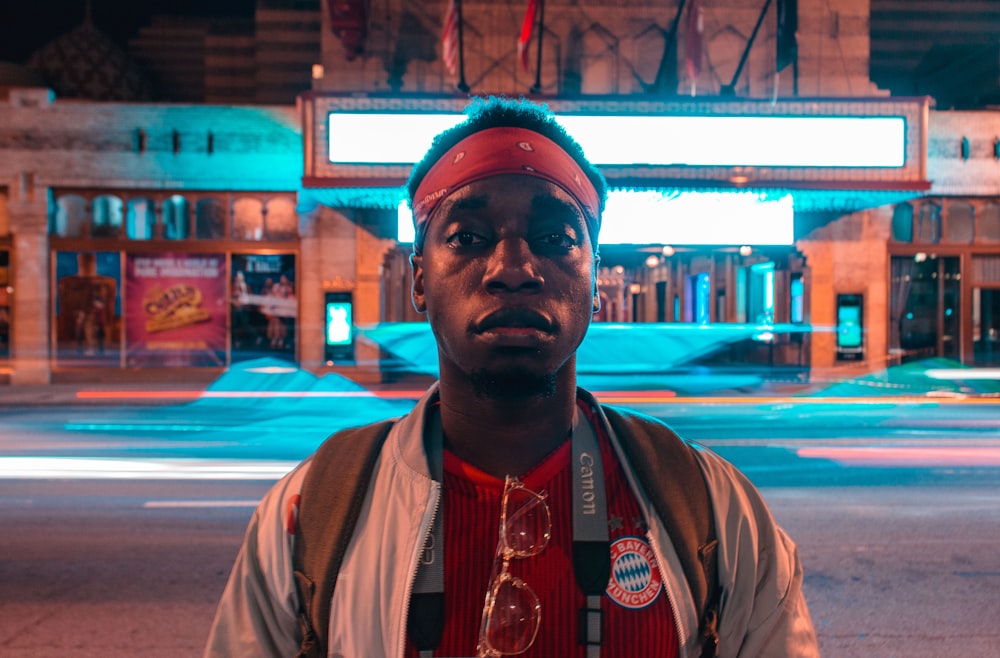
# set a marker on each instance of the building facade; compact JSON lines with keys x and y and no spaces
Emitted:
{"x":141,"y":236}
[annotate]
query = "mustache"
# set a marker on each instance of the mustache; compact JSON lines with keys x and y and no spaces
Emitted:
{"x":514,"y":316}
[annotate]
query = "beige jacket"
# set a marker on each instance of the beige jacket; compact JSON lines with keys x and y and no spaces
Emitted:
{"x":763,"y":612}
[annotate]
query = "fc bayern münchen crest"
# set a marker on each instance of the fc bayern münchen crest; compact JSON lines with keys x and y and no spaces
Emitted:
{"x":635,"y":581}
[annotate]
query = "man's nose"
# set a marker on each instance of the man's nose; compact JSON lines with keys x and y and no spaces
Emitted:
{"x":512,"y":267}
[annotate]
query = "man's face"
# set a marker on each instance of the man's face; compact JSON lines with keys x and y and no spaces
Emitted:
{"x":507,"y":279}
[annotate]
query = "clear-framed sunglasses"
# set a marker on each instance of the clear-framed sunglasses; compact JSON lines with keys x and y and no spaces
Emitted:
{"x":512,"y":613}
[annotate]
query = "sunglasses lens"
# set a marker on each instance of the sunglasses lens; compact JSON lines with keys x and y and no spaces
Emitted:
{"x":513,"y":623}
{"x":512,"y":613}
{"x":526,"y":524}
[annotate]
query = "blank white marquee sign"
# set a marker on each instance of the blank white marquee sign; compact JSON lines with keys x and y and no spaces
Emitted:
{"x":386,"y":138}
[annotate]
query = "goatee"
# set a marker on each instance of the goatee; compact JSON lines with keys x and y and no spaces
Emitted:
{"x":512,"y":385}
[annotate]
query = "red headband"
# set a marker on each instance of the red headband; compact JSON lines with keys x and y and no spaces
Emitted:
{"x":505,"y":150}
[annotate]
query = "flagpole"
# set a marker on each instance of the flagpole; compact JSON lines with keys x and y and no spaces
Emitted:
{"x":537,"y":87}
{"x":730,"y":89}
{"x":462,"y":85}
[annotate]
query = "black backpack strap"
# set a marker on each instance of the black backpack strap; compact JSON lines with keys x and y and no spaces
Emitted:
{"x":670,"y":475}
{"x":331,"y":498}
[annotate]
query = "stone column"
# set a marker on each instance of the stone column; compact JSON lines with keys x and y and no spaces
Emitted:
{"x":309,"y":289}
{"x":31,"y":308}
{"x":822,"y":312}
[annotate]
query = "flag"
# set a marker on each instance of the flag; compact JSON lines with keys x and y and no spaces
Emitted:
{"x":449,"y":38}
{"x":692,"y":40}
{"x":527,"y":27}
{"x":788,"y":24}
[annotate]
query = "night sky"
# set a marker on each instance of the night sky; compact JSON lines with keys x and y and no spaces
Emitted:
{"x":26,"y":25}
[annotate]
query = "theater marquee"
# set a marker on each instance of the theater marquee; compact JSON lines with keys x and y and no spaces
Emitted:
{"x":745,"y":158}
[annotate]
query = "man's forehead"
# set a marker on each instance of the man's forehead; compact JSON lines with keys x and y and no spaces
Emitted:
{"x":540,"y":197}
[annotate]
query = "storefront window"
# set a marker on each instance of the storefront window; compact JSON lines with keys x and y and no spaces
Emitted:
{"x":210,"y":220}
{"x":960,"y":224}
{"x":88,"y":308}
{"x":4,"y":215}
{"x":929,"y":224}
{"x":176,"y":218}
{"x":281,"y":222}
{"x":902,"y":223}
{"x":989,"y":224}
{"x":105,"y":217}
{"x":263,"y":312}
{"x":697,"y":298}
{"x":248,"y":219}
{"x":140,"y":220}
{"x":986,"y":326}
{"x":760,"y":298}
{"x":796,"y":295}
{"x":70,"y":218}
{"x":4,"y":304}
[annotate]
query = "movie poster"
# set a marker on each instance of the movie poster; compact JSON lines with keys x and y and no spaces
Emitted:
{"x":263,"y":308}
{"x":88,"y":308}
{"x":175,"y":310}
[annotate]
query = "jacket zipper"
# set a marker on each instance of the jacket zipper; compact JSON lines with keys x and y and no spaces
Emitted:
{"x":671,"y":595}
{"x":434,"y":504}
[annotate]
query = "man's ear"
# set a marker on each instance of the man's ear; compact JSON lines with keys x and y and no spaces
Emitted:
{"x":417,"y":285}
{"x":595,"y":286}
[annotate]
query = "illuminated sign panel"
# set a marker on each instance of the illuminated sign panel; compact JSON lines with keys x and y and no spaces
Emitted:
{"x":668,"y":141}
{"x":377,"y":138}
{"x":682,"y":218}
{"x":339,"y":320}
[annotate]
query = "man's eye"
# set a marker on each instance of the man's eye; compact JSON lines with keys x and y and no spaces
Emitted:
{"x":465,"y":239}
{"x":558,"y":240}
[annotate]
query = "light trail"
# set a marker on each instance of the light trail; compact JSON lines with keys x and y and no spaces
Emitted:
{"x":197,"y":504}
{"x":244,"y":395}
{"x":905,"y":457}
{"x":987,"y":374}
{"x":619,"y":397}
{"x":78,"y":468}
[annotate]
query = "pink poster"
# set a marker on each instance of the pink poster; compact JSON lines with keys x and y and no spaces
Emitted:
{"x":175,"y":310}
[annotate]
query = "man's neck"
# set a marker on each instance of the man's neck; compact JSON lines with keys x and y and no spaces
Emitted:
{"x":505,"y":436}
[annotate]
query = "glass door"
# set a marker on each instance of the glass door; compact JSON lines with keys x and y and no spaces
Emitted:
{"x":925,"y":311}
{"x":986,"y":326}
{"x":949,"y":273}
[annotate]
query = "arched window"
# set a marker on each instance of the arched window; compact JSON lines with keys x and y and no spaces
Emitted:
{"x":989,"y":224}
{"x":4,"y":215}
{"x":280,"y":221}
{"x":248,"y":219}
{"x":176,"y":218}
{"x":210,"y":219}
{"x":105,"y":216}
{"x":140,"y":219}
{"x":929,"y":223}
{"x":902,"y":223}
{"x":961,"y":223}
{"x":70,"y":217}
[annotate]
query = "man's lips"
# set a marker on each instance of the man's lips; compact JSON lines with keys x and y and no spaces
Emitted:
{"x":517,"y":317}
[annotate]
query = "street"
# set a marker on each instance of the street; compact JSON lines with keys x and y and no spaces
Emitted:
{"x":121,"y":522}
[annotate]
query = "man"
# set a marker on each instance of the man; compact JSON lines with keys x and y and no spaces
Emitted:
{"x":529,"y":474}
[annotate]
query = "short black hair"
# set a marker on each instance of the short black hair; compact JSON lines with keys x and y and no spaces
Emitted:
{"x":485,"y":112}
